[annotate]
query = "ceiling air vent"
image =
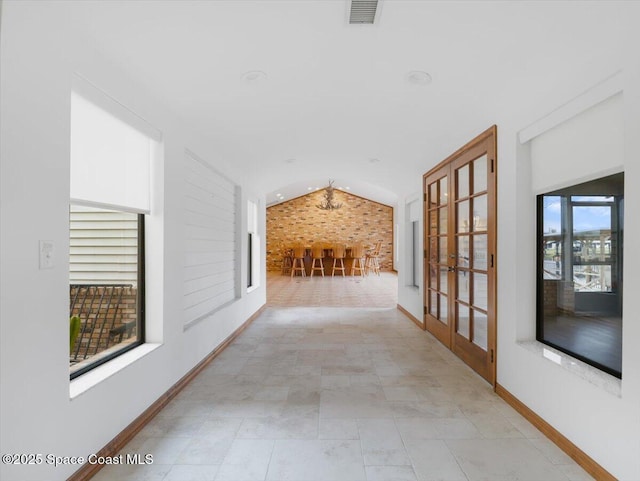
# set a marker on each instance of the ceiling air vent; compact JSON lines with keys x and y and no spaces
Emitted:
{"x":363,"y":11}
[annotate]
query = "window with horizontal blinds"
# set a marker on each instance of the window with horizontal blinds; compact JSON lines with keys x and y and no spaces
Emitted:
{"x":103,"y":246}
{"x":210,"y":239}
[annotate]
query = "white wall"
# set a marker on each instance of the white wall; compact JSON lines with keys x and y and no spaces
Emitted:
{"x":410,"y":208}
{"x":37,"y":414}
{"x":605,"y":426}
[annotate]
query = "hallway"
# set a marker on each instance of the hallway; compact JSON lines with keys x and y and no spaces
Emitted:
{"x":340,"y":394}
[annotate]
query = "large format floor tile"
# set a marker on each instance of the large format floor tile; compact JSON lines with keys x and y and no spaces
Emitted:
{"x":335,"y":393}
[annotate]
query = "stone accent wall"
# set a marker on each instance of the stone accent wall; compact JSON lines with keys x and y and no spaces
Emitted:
{"x":359,"y":220}
{"x":550,"y":297}
{"x":559,"y":298}
{"x":566,"y":298}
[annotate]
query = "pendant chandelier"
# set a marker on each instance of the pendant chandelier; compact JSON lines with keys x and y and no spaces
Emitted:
{"x":328,"y":203}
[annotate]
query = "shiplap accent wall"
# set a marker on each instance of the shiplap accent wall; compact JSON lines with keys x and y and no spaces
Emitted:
{"x":210,"y":236}
{"x":103,"y":246}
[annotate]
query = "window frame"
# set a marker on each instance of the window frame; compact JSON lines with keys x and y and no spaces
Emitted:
{"x":140,"y":306}
{"x":566,"y":237}
{"x":253,"y":246}
{"x":84,"y":92}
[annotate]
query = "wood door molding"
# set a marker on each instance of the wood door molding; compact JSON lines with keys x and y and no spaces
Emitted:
{"x":493,"y":130}
{"x":481,"y":360}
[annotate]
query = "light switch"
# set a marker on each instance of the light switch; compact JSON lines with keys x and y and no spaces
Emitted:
{"x":46,"y":254}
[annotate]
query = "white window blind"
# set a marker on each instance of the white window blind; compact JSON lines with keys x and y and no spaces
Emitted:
{"x":210,"y":230}
{"x":110,"y":157}
{"x":586,"y":146}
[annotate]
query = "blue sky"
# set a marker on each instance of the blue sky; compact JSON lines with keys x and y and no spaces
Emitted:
{"x":584,"y":217}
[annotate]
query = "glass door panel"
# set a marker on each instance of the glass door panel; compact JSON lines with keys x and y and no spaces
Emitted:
{"x":479,"y":252}
{"x":438,"y":282}
{"x":463,"y":321}
{"x":464,"y":255}
{"x":463,"y":182}
{"x":463,"y":216}
{"x":433,"y":195}
{"x":480,"y":291}
{"x":444,"y":217}
{"x":480,"y":174}
{"x":444,"y":191}
{"x":444,"y":279}
{"x":480,"y":219}
{"x":443,"y":247}
{"x":480,"y":329}
{"x":433,"y":223}
{"x":444,"y":309}
{"x":463,"y":286}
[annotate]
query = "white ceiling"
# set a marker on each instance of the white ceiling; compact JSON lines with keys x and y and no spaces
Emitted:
{"x":353,"y":186}
{"x":336,"y":95}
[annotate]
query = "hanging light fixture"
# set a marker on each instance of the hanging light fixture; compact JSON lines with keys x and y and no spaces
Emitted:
{"x":328,"y":202}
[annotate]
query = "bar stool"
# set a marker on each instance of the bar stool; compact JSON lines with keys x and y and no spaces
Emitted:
{"x":287,"y":259}
{"x":298,"y":260}
{"x":317,"y":255}
{"x":372,"y":259}
{"x":339,"y":253}
{"x":357,"y":252}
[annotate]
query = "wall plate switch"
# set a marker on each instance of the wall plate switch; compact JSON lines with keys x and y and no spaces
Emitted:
{"x":46,"y":254}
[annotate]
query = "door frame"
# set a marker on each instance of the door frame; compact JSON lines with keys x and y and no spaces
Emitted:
{"x":485,"y":142}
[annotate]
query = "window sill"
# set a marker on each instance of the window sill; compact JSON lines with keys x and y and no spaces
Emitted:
{"x":83,"y":383}
{"x":595,"y":376}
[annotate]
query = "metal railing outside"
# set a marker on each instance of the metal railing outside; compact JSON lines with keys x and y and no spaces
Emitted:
{"x":108,"y":317}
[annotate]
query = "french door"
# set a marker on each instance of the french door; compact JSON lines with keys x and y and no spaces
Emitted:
{"x":460,"y":254}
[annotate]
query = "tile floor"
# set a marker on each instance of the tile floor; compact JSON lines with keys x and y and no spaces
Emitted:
{"x":338,"y":291}
{"x":340,"y":394}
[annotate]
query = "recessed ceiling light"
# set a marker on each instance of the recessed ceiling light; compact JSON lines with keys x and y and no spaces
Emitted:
{"x":279,"y":194}
{"x":309,"y":188}
{"x":348,"y":188}
{"x":419,"y":77}
{"x":317,"y":188}
{"x":254,"y":76}
{"x":289,"y":161}
{"x":374,"y":161}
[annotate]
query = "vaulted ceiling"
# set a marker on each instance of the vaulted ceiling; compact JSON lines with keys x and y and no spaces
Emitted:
{"x":336,"y":100}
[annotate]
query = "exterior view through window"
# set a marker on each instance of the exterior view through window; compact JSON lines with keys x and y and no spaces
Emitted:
{"x":580,"y":239}
{"x":105,"y":284}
